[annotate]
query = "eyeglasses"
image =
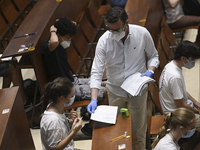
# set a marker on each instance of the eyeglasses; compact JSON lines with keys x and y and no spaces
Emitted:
{"x":116,"y":30}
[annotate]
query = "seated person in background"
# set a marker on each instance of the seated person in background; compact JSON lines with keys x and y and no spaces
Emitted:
{"x":172,"y":90}
{"x":56,"y":60}
{"x":181,"y":123}
{"x":177,"y":19}
{"x":12,"y":74}
{"x":119,"y":3}
{"x":57,"y":131}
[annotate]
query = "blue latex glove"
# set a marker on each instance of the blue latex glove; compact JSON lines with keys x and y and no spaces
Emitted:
{"x":92,"y":106}
{"x":148,"y":74}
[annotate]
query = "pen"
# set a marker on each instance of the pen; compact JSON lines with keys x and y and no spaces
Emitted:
{"x":25,"y":35}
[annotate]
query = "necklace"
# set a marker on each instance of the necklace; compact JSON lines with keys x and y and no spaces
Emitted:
{"x":174,"y":139}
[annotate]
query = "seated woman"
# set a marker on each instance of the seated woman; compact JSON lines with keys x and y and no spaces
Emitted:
{"x":181,"y":124}
{"x":57,"y":131}
{"x":177,"y":19}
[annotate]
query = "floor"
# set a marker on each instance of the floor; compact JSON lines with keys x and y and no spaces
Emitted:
{"x":192,"y":78}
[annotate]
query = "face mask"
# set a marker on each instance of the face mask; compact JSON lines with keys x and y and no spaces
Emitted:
{"x":119,"y":35}
{"x":189,"y":64}
{"x":65,"y":44}
{"x":71,"y":101}
{"x":189,"y":133}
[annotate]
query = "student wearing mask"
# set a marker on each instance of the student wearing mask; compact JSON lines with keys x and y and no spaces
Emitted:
{"x":57,"y":131}
{"x":122,"y":50}
{"x":172,"y":90}
{"x":177,"y":124}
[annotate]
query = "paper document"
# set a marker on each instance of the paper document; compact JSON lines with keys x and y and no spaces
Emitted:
{"x":5,"y":59}
{"x":134,"y":84}
{"x":105,"y":114}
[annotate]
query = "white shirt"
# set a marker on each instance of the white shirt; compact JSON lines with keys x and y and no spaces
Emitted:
{"x":122,"y":60}
{"x":172,"y":87}
{"x":166,"y":143}
{"x":54,"y":128}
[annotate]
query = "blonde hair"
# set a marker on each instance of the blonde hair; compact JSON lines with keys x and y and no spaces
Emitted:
{"x":180,"y":117}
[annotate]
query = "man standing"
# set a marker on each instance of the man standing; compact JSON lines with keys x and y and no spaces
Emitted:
{"x":172,"y":90}
{"x":123,"y":49}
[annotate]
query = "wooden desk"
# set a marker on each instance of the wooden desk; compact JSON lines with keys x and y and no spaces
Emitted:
{"x":151,"y":10}
{"x":101,"y":136}
{"x":14,"y":128}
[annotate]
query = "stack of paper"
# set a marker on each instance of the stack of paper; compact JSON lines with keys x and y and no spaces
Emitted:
{"x":105,"y":114}
{"x":134,"y":84}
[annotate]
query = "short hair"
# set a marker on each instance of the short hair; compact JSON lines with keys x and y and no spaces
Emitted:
{"x":61,"y":86}
{"x":65,"y":27}
{"x":187,"y":49}
{"x":116,"y":13}
{"x":180,"y":117}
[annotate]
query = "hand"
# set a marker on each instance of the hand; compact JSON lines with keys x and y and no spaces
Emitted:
{"x":148,"y":74}
{"x":52,"y":28}
{"x":77,"y":124}
{"x":73,"y":115}
{"x":92,"y":106}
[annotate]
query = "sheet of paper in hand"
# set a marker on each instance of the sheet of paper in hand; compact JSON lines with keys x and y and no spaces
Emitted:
{"x":134,"y":84}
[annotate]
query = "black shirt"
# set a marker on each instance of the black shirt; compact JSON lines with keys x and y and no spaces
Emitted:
{"x":56,"y":62}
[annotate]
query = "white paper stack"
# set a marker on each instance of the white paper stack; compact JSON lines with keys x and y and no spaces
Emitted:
{"x":134,"y":84}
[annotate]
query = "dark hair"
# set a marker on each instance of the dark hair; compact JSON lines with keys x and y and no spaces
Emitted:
{"x":61,"y":86}
{"x":187,"y":49}
{"x":116,"y":13}
{"x":180,"y":117}
{"x":65,"y":26}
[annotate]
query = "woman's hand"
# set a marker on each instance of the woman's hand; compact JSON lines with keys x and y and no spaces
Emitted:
{"x":77,"y":125}
{"x":73,"y":115}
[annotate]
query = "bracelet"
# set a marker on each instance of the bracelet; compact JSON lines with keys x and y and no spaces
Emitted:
{"x":53,"y":31}
{"x":151,"y":71}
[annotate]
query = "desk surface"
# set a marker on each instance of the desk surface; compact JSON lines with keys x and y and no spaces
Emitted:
{"x":101,"y":136}
{"x":147,"y":14}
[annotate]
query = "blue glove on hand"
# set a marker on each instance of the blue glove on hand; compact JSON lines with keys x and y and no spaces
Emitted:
{"x":148,"y":74}
{"x":92,"y":106}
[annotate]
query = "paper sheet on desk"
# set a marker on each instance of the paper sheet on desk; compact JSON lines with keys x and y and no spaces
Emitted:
{"x":5,"y":59}
{"x":134,"y":84}
{"x":105,"y":114}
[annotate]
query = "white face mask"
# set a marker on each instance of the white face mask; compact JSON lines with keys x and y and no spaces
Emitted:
{"x":65,"y":44}
{"x":189,"y":64}
{"x":119,"y":35}
{"x":71,"y":101}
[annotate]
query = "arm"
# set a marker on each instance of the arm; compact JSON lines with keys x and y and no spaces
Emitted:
{"x":53,"y":42}
{"x":196,"y":104}
{"x":62,"y":144}
{"x":152,"y":54}
{"x":96,"y":75}
{"x":173,"y":3}
{"x":181,"y":103}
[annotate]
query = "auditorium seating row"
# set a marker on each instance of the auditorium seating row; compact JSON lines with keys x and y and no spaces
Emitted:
{"x":12,"y":14}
